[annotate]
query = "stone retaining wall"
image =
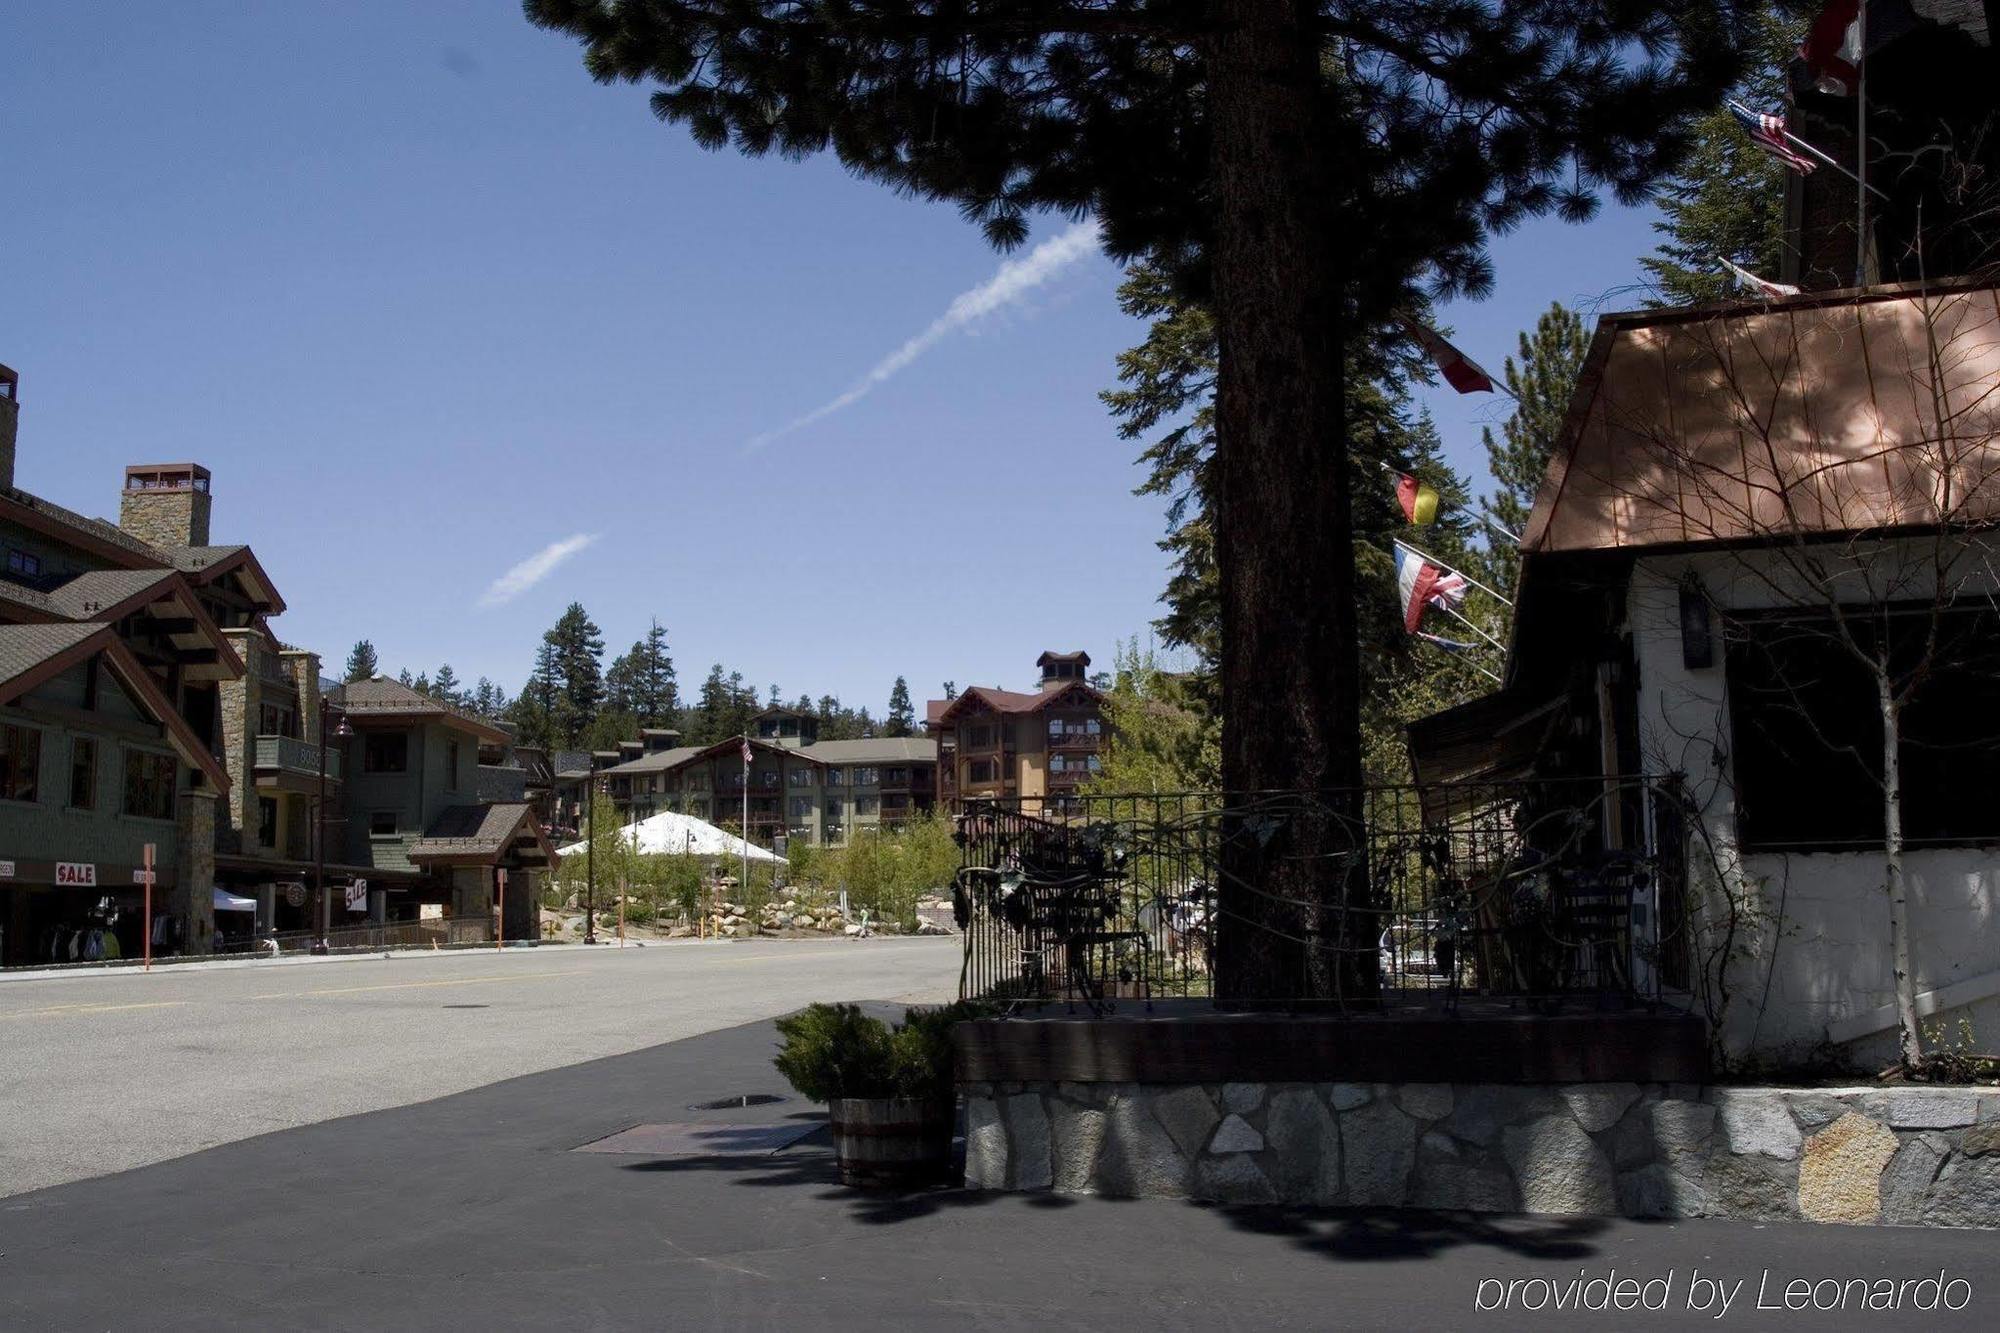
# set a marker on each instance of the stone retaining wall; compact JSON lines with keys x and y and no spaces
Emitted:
{"x":1906,"y":1156}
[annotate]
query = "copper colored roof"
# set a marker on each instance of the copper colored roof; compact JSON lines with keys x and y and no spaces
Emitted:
{"x":1004,"y":701}
{"x":1838,"y":412}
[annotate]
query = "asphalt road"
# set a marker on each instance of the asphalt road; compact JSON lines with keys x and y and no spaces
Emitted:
{"x":475,"y":1212}
{"x":103,"y":1071}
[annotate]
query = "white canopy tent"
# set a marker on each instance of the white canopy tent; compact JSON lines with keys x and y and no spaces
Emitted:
{"x":226,"y":901}
{"x":677,"y":834}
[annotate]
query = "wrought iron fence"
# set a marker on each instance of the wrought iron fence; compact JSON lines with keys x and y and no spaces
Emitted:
{"x":1524,"y":892}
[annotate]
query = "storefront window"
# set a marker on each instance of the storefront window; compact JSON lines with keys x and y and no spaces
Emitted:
{"x":20,"y":763}
{"x":149,"y":785}
{"x":83,"y":774}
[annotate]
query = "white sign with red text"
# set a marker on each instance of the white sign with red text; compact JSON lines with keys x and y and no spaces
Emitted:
{"x":76,"y":875}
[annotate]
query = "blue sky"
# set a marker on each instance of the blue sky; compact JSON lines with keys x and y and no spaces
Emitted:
{"x":428,"y":302}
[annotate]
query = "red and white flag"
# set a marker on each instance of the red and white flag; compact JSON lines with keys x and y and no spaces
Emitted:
{"x":1419,"y":584}
{"x":1832,"y":49}
{"x":1460,"y":371}
{"x":1762,"y":286}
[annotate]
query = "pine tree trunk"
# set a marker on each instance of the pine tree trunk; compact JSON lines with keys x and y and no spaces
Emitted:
{"x":1289,"y":663}
{"x":1909,"y":1041}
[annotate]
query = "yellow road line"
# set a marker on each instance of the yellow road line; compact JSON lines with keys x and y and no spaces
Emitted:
{"x":64,"y":1009}
{"x":406,"y":985}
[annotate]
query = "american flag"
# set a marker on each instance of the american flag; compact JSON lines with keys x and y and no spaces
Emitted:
{"x":746,"y":754}
{"x":1768,"y":132}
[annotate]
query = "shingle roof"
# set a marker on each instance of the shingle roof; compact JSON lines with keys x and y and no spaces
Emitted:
{"x":194,"y":559}
{"x":25,"y":647}
{"x":570,"y":763}
{"x":473,"y":830}
{"x":657,"y":762}
{"x":876,"y":750}
{"x":90,"y":593}
{"x":18,"y":594}
{"x":382,"y":697}
{"x":95,"y":527}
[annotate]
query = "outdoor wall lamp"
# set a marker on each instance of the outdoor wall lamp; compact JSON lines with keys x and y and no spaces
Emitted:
{"x":1697,"y":630}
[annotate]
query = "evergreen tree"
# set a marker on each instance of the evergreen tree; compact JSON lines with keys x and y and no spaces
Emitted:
{"x":641,"y":681}
{"x":1542,"y":378}
{"x":707,"y":723}
{"x":361,"y":663}
{"x":488,"y":699}
{"x":445,"y":687}
{"x":1345,"y":152}
{"x":951,"y":689}
{"x":1727,"y":200}
{"x":405,"y":679}
{"x":902,"y":719}
{"x":578,"y":674}
{"x":533,"y":713}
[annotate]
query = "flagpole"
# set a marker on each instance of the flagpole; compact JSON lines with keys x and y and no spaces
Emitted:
{"x":1494,"y":524}
{"x":745,"y":887}
{"x":1460,"y":618}
{"x":1449,"y":570}
{"x":1861,"y":145}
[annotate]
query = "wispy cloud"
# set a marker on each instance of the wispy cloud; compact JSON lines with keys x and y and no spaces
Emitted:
{"x":534,"y":569}
{"x":1014,"y":280}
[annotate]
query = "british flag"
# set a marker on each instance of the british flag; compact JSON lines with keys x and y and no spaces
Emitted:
{"x":1769,"y":133}
{"x":1420,"y":583}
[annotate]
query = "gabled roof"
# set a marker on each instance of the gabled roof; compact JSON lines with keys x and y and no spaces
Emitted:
{"x":33,"y":654}
{"x":483,"y":834}
{"x":1831,"y":413}
{"x":1005,"y":701}
{"x":873,"y":750}
{"x":388,"y":699}
{"x":207,"y":564}
{"x":109,"y":595}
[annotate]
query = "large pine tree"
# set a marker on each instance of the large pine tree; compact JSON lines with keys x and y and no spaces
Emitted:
{"x":575,"y":675}
{"x":1307,"y":165}
{"x":902,"y":719}
{"x":641,"y":681}
{"x":361,"y":663}
{"x":1542,"y":379}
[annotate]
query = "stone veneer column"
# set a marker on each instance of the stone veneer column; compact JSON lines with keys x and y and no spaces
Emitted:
{"x":193,"y":896}
{"x":239,"y":701}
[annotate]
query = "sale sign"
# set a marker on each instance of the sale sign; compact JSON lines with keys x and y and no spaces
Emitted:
{"x":76,"y":875}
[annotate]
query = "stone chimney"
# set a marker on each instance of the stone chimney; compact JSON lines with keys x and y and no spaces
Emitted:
{"x":10,"y":412}
{"x":1060,"y":669}
{"x":166,"y":504}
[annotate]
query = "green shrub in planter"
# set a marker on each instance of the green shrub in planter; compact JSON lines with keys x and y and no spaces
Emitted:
{"x":834,"y":1050}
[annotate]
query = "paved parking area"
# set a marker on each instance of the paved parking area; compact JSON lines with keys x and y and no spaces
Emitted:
{"x":105,"y":1070}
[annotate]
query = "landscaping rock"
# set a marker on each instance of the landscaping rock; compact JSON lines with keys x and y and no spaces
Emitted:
{"x":1233,"y":1179}
{"x":1243,"y":1098}
{"x":1235,"y":1136}
{"x":1138,"y":1158}
{"x":1029,"y":1124}
{"x":1378,"y":1146}
{"x":1078,"y":1132}
{"x":1560,"y":1169}
{"x":1305,"y":1147}
{"x":1840,"y":1174}
{"x":1756,"y":1122}
{"x":1426,"y":1101}
{"x":1189,"y":1115}
{"x":1965,"y":1194}
{"x":1906,"y":1184}
{"x":1599,"y":1106}
{"x":985,"y":1145}
{"x":933,"y":928}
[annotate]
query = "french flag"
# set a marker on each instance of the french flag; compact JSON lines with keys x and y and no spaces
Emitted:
{"x":1419,"y":583}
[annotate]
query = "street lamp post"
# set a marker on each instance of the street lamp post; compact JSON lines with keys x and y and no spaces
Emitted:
{"x":343,"y":731}
{"x":590,"y":854}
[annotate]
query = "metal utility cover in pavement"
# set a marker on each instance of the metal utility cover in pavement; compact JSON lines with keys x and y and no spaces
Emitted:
{"x":702,"y":1140}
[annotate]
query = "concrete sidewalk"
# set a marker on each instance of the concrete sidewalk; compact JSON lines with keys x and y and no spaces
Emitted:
{"x":472,"y":1211}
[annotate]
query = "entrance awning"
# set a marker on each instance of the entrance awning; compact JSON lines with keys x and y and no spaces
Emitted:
{"x":225,"y":901}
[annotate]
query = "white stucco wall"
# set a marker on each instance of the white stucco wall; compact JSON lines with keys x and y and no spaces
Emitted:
{"x":1819,"y":944}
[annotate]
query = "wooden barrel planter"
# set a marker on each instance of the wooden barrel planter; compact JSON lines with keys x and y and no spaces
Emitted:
{"x":887,"y":1142}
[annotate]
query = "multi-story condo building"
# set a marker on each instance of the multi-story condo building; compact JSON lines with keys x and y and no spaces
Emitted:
{"x":148,"y":703}
{"x":809,"y":790}
{"x":1007,"y":743}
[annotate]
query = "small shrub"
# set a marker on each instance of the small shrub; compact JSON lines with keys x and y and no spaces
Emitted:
{"x":835,"y":1050}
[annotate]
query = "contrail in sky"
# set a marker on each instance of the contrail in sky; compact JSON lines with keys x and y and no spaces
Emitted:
{"x":1013,"y":281}
{"x":534,"y":569}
